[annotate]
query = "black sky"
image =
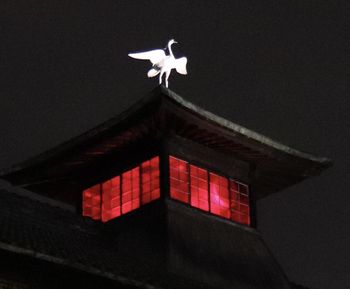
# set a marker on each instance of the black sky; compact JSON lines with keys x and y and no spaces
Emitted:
{"x":280,"y":68}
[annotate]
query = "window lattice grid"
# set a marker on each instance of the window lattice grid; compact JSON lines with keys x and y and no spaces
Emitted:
{"x":239,"y":195}
{"x":92,"y":202}
{"x":123,"y":193}
{"x":199,"y":188}
{"x":219,"y":196}
{"x":150,"y":180}
{"x":209,"y":191}
{"x":179,"y":180}
{"x":130,"y":190}
{"x":111,"y":200}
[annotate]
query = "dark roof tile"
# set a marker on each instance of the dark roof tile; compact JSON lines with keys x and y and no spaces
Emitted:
{"x":60,"y":236}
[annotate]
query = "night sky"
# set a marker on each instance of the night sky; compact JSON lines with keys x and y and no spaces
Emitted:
{"x":277,"y":67}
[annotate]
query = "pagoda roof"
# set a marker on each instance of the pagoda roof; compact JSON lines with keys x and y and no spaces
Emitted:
{"x":162,"y":113}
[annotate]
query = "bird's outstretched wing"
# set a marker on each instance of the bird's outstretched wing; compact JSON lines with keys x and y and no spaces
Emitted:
{"x":154,"y":56}
{"x":180,"y":65}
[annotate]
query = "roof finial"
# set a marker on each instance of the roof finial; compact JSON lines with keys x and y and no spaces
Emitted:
{"x":162,"y":63}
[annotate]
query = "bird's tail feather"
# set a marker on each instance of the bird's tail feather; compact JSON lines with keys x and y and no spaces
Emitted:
{"x":152,"y":72}
{"x":180,"y":65}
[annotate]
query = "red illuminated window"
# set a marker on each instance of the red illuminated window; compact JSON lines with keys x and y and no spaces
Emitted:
{"x":92,"y":202}
{"x":131,"y":190}
{"x":150,"y":180}
{"x":122,"y":194}
{"x":199,"y":188}
{"x":179,"y":180}
{"x":208,"y":191}
{"x":111,"y":201}
{"x":239,"y":202}
{"x":219,"y":196}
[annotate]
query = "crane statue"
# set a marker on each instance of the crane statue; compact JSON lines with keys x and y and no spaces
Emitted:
{"x":162,"y":63}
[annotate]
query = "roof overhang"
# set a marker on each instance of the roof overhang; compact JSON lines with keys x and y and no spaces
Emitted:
{"x":157,"y":115}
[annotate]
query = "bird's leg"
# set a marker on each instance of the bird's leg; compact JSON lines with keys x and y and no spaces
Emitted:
{"x":160,"y":77}
{"x":167,"y":74}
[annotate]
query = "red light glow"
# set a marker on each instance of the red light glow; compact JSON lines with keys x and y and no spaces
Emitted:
{"x":111,"y":199}
{"x":239,"y":202}
{"x":92,"y":202}
{"x":219,"y":196}
{"x":179,"y":180}
{"x":150,"y":180}
{"x":208,"y":191}
{"x":199,"y":188}
{"x":130,"y":190}
{"x":122,"y":194}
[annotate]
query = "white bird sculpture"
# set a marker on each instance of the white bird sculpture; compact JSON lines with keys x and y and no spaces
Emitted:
{"x":162,"y":63}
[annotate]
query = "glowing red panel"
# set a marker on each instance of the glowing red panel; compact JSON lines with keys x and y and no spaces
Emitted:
{"x":150,"y":180}
{"x":111,"y":202}
{"x":179,"y":180}
{"x":92,"y":202}
{"x":226,"y":198}
{"x":130,"y":190}
{"x":199,"y":188}
{"x":219,"y":196}
{"x":122,"y":194}
{"x":239,"y":195}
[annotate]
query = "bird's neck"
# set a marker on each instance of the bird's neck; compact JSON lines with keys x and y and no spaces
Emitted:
{"x":170,"y":51}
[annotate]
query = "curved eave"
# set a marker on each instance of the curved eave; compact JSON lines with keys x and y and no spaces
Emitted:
{"x":278,"y":166}
{"x":89,"y":138}
{"x":236,"y":129}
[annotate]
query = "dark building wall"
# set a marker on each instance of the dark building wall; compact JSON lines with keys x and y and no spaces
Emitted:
{"x":140,"y":239}
{"x":219,"y":252}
